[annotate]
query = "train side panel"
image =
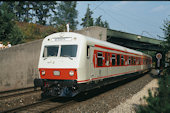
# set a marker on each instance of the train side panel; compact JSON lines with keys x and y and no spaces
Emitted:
{"x":96,"y":63}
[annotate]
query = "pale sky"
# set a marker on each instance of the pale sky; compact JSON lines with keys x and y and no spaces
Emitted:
{"x":129,"y":16}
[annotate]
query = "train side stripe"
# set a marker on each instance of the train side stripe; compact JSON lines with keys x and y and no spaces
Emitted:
{"x":117,"y":50}
{"x":81,"y":81}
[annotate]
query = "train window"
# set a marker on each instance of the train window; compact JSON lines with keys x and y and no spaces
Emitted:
{"x":113,"y":59}
{"x":50,"y":51}
{"x":139,"y":61}
{"x":118,"y":60}
{"x":106,"y":59}
{"x":129,"y":60}
{"x":122,"y":60}
{"x":134,"y":61}
{"x":144,"y":61}
{"x":99,"y":59}
{"x":126,"y":60}
{"x":68,"y":50}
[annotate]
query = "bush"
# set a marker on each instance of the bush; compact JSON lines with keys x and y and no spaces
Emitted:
{"x":34,"y":31}
{"x":160,"y":101}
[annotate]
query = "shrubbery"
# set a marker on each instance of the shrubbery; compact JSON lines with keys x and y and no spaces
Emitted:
{"x":159,"y":102}
{"x":33,"y":31}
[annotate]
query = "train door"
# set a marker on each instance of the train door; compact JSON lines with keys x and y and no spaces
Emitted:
{"x":107,"y":63}
{"x":90,"y":65}
{"x":109,"y":60}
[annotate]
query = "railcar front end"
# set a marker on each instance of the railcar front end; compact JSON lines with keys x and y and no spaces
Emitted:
{"x":59,"y":64}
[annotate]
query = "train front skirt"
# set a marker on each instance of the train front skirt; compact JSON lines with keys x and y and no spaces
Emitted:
{"x":60,"y":88}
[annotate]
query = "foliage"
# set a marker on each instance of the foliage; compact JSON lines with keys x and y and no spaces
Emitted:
{"x":67,"y":13}
{"x":166,"y":30}
{"x":16,"y":36}
{"x":101,"y":23}
{"x":43,"y":10}
{"x":8,"y":30}
{"x":88,"y":19}
{"x":29,"y":11}
{"x":34,"y":31}
{"x":160,"y":101}
{"x":30,"y":15}
{"x":22,"y":10}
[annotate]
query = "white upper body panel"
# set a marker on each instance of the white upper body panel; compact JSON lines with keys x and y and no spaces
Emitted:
{"x":70,"y":38}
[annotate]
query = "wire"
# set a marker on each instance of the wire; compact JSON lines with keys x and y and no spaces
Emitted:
{"x":98,"y":6}
{"x":151,"y":25}
{"x":135,"y":17}
{"x":110,"y":15}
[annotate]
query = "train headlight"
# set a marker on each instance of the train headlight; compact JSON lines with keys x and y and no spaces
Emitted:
{"x":57,"y":73}
{"x":71,"y":73}
{"x":43,"y":72}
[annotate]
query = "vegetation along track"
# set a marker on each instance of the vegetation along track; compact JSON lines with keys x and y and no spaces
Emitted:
{"x":18,"y":92}
{"x":44,"y":106}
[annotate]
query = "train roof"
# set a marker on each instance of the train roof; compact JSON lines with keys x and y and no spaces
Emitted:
{"x":98,"y":42}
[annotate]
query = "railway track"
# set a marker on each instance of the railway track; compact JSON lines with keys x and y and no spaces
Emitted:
{"x":18,"y":92}
{"x":59,"y":104}
{"x":43,"y":106}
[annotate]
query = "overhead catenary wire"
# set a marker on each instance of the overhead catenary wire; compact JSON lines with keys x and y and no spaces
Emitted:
{"x":144,"y":22}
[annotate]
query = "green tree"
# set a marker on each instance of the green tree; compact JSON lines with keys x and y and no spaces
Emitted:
{"x":67,"y":13}
{"x":26,"y":11}
{"x":41,"y":11}
{"x":88,"y":19}
{"x":21,"y":9}
{"x":106,"y":25}
{"x":27,"y":7}
{"x":8,"y":30}
{"x":166,"y":30}
{"x":6,"y":23}
{"x":101,"y":23}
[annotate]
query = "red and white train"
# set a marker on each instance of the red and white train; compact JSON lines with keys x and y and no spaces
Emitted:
{"x":71,"y":63}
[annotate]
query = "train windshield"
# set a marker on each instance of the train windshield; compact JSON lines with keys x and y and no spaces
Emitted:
{"x":68,"y":51}
{"x":50,"y":51}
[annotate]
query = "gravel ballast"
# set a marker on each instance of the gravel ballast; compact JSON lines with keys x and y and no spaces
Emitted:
{"x":106,"y":100}
{"x":129,"y":105}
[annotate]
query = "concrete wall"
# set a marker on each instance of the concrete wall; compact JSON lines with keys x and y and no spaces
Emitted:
{"x":19,"y":65}
{"x":95,"y":32}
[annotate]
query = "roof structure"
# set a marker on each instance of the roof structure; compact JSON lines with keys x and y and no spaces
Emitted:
{"x":133,"y":40}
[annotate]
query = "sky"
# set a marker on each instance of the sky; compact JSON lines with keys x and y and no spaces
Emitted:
{"x":137,"y":17}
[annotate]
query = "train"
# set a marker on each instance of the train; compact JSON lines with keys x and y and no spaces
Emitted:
{"x":71,"y":63}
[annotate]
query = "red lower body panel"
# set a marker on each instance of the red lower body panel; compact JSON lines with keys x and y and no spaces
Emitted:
{"x":64,"y":74}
